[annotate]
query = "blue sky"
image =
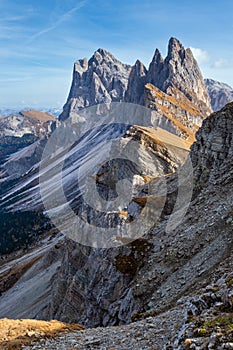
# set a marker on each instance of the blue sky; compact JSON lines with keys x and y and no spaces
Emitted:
{"x":40,"y":40}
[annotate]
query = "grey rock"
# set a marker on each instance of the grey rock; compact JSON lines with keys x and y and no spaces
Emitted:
{"x":178,"y":74}
{"x":220,"y":93}
{"x":136,"y":84}
{"x":212,"y":154}
{"x":102,"y":79}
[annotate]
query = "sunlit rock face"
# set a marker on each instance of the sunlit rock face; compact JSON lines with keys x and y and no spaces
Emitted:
{"x":102,"y":79}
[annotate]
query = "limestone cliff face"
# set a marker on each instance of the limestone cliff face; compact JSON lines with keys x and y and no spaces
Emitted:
{"x":178,"y":75}
{"x":220,"y":93}
{"x":136,"y":84}
{"x":212,"y":154}
{"x":102,"y":79}
{"x":173,"y":86}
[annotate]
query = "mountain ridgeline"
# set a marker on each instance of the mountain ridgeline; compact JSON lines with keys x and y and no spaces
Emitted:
{"x":104,"y":79}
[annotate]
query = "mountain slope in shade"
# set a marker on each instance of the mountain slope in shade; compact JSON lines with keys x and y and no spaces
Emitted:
{"x":108,"y":287}
{"x":220,"y":93}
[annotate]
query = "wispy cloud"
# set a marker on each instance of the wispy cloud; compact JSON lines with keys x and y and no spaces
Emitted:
{"x":222,"y":63}
{"x":63,"y":18}
{"x":201,"y":56}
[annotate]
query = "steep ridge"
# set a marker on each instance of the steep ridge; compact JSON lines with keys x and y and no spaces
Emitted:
{"x":179,"y":75}
{"x":146,"y":277}
{"x":220,"y":93}
{"x":136,"y":84}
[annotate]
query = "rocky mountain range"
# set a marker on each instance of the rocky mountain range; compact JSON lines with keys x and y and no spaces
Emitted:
{"x":104,"y":79}
{"x":168,"y":286}
{"x":220,"y":93}
{"x":22,"y":129}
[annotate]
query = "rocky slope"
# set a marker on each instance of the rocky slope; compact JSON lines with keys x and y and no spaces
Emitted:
{"x":175,"y":285}
{"x":220,"y":93}
{"x":156,"y":278}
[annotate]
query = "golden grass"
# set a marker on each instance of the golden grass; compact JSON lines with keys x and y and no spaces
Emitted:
{"x":15,"y":333}
{"x":38,"y":115}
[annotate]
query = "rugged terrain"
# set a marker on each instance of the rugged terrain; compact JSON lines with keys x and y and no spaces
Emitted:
{"x":22,"y":129}
{"x":176,"y":285}
{"x":174,"y":282}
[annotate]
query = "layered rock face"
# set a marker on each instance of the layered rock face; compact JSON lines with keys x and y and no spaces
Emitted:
{"x":179,"y":75}
{"x":212,"y":154}
{"x":102,"y":79}
{"x":220,"y":93}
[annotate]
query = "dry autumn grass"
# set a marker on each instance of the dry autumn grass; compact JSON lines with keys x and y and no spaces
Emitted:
{"x":37,"y":115}
{"x":15,"y":333}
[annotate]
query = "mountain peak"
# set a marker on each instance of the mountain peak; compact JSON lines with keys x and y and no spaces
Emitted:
{"x":174,"y":48}
{"x":103,"y":52}
{"x":174,"y":43}
{"x":104,"y":78}
{"x":157,"y":58}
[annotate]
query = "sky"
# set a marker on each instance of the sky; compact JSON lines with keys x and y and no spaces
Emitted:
{"x":41,"y":40}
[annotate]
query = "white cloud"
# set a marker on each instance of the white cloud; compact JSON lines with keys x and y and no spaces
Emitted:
{"x":201,"y":56}
{"x":222,"y":63}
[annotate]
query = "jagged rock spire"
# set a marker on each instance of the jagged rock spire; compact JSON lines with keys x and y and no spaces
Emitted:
{"x":104,"y":79}
{"x":136,"y":84}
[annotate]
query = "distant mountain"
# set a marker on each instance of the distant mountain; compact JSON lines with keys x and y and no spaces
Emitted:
{"x":9,"y":111}
{"x":26,"y":122}
{"x":19,"y":130}
{"x":220,"y":93}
